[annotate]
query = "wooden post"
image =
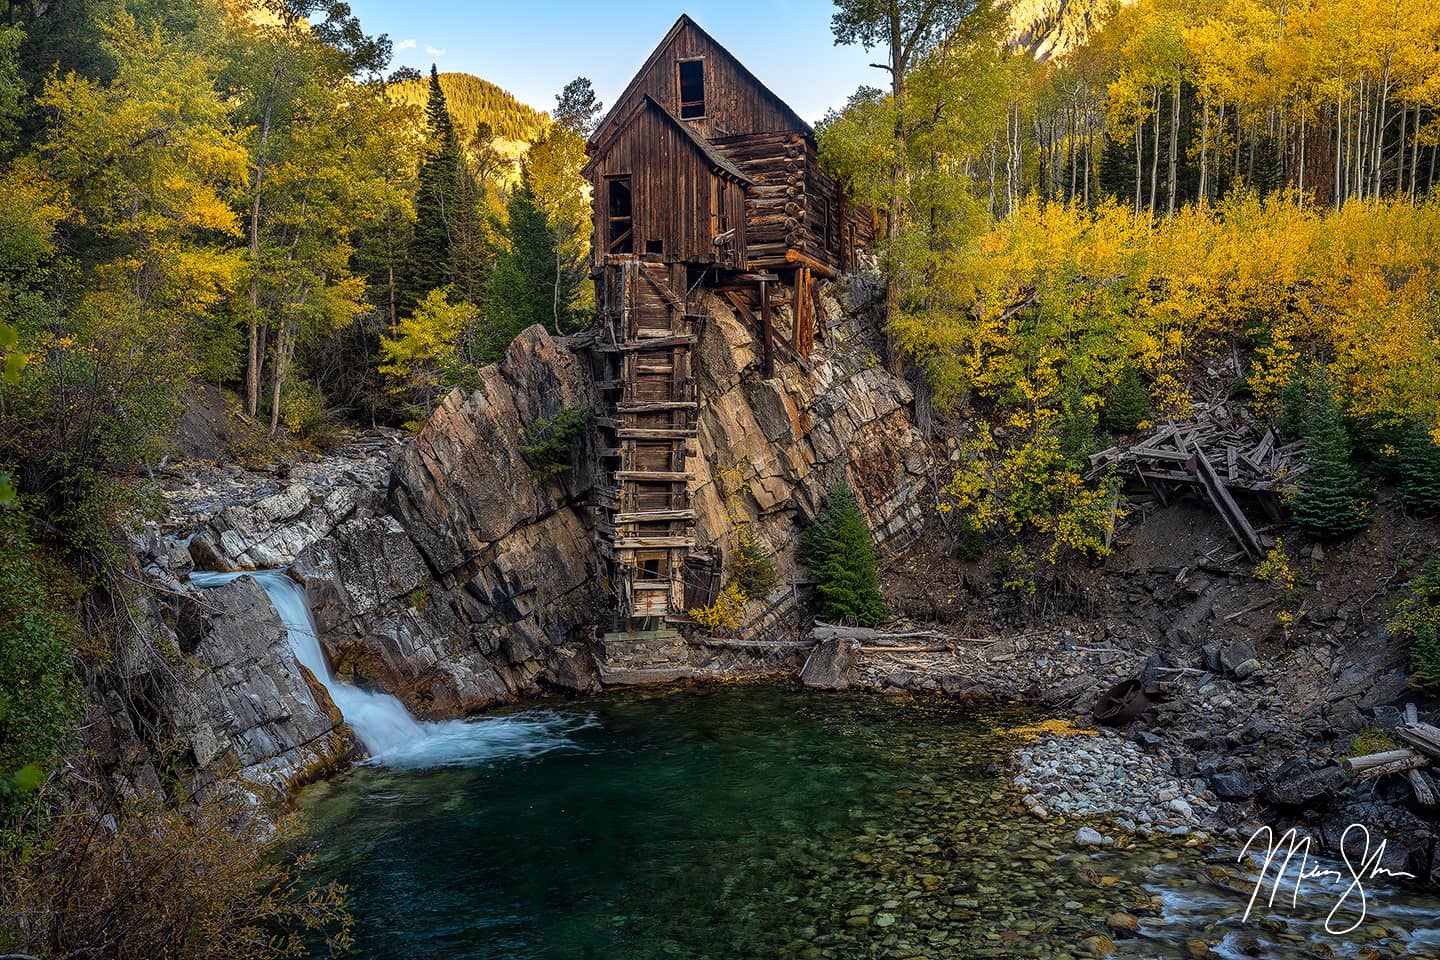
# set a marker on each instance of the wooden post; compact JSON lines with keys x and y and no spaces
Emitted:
{"x":768,"y":332}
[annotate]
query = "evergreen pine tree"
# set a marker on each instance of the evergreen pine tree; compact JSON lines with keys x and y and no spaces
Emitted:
{"x":1419,"y":487}
{"x":1127,"y":403}
{"x":1333,"y":499}
{"x":838,"y":549}
{"x":1295,"y":406}
{"x":436,"y":203}
{"x":525,"y":287}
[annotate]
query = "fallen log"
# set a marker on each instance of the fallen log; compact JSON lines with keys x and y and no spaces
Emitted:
{"x":1424,"y":787}
{"x":1421,"y":736}
{"x":1365,"y":765}
{"x":933,"y":648}
{"x":833,"y":631}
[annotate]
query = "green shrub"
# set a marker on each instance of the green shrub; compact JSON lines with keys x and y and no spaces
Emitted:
{"x":837,"y":547}
{"x":549,"y":445}
{"x":1419,"y":488}
{"x":970,"y":544}
{"x":1332,"y":499}
{"x":39,"y":694}
{"x":1417,"y":619}
{"x":751,"y":567}
{"x":1127,"y":403}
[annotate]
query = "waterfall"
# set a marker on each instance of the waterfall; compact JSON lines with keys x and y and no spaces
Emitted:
{"x":389,"y":733}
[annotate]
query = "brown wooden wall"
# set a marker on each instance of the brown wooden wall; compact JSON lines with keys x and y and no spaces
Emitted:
{"x":676,"y":195}
{"x":735,"y":103}
{"x":794,"y":204}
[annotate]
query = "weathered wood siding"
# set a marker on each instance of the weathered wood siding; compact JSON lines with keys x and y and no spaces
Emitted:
{"x":677,"y":198}
{"x":735,"y":103}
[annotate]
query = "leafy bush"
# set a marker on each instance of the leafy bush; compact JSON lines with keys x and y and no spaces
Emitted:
{"x":1332,"y":499}
{"x":1127,"y":403}
{"x":970,"y":544}
{"x":550,"y":442}
{"x":838,"y":549}
{"x":39,"y":694}
{"x":751,"y":567}
{"x":1417,"y":619}
{"x":1419,"y":488}
{"x":726,"y":613}
{"x":139,"y":879}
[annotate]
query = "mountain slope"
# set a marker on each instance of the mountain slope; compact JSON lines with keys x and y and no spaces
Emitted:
{"x":472,"y":101}
{"x":1052,"y":28}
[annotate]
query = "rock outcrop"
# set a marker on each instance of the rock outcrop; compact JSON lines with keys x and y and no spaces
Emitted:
{"x":446,"y":571}
{"x":206,"y":686}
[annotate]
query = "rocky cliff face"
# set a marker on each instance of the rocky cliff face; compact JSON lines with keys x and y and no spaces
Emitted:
{"x":443,"y":570}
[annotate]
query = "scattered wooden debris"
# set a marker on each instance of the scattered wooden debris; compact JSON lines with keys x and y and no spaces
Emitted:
{"x":1221,"y":450}
{"x":1423,"y":752}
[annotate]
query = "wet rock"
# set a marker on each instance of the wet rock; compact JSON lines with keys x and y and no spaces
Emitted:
{"x":1233,"y":785}
{"x":1089,"y":837}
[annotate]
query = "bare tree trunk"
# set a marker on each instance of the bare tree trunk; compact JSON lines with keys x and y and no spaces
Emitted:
{"x":1400,"y":153}
{"x":255,"y":354}
{"x":1139,"y":162}
{"x":1339,"y":142}
{"x":1172,"y":180}
{"x":1155,"y":153}
{"x":1378,"y":148}
{"x":284,"y":350}
{"x":1415,"y":157}
{"x":1205,"y":150}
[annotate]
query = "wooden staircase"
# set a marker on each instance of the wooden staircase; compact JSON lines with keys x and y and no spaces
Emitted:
{"x":648,"y":418}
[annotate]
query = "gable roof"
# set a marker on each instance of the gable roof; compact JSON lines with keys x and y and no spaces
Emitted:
{"x":743,"y":70}
{"x":717,"y":160}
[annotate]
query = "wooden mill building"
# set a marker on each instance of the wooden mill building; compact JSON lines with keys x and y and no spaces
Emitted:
{"x":702,"y":178}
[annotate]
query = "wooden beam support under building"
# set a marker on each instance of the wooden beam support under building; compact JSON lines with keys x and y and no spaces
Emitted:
{"x":767,"y":330}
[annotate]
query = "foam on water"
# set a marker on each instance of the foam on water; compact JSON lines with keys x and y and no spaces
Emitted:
{"x":389,"y":733}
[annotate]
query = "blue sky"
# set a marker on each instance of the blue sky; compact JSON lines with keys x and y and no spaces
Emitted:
{"x":534,"y":47}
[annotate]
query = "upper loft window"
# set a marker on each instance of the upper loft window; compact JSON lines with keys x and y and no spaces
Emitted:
{"x":692,"y":89}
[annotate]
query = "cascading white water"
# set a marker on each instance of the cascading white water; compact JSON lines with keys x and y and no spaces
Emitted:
{"x":390,"y":734}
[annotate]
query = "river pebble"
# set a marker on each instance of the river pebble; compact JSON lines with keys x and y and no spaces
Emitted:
{"x":1106,"y":777}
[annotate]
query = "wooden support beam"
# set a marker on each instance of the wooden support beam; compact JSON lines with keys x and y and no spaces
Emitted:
{"x":795,"y":256}
{"x":1229,"y":510}
{"x":664,"y":476}
{"x":767,"y":330}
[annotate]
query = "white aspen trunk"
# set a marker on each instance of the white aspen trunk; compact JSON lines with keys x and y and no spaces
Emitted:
{"x":1204,"y":149}
{"x":1172,"y":180}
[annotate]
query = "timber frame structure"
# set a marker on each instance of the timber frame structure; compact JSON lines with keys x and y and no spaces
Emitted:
{"x":702,"y":180}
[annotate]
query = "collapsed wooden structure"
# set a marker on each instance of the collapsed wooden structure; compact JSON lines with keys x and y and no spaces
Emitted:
{"x":1221,"y":452}
{"x":702,"y":180}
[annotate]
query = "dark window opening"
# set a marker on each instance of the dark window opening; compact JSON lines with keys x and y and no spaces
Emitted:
{"x":692,"y":89}
{"x":652,"y":568}
{"x":621,"y":236}
{"x":654,"y":246}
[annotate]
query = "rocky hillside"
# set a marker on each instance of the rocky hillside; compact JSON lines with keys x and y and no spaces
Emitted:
{"x":1052,"y":28}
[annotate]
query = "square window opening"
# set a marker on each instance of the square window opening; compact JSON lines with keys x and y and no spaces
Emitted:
{"x":692,"y":89}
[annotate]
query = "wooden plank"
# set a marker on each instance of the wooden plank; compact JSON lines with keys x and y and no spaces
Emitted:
{"x":653,"y":543}
{"x":1229,"y":510}
{"x":656,"y":406}
{"x":650,"y":515}
{"x":668,"y":476}
{"x":669,"y":433}
{"x":680,"y":340}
